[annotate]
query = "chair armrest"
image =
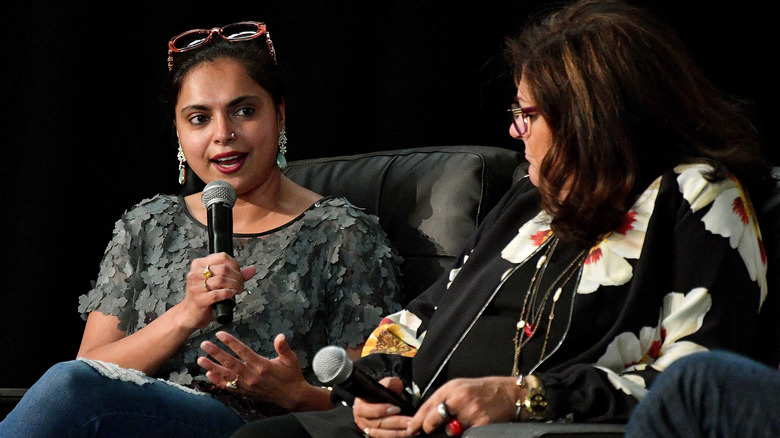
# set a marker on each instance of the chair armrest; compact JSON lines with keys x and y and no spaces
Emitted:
{"x":546,"y":430}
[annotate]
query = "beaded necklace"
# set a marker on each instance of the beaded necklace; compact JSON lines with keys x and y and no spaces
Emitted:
{"x":531,"y":315}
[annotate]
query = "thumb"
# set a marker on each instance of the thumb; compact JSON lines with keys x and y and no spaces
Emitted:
{"x":393,"y":383}
{"x":284,"y":351}
{"x":248,"y":272}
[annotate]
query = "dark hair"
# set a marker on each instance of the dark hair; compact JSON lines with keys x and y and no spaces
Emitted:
{"x":253,"y":54}
{"x":624,"y":103}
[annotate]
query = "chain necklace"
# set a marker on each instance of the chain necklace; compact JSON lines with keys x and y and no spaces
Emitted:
{"x":531,"y":315}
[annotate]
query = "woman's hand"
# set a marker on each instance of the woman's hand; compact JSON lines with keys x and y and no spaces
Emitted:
{"x":148,"y":348}
{"x":278,"y":380}
{"x":225,"y":280}
{"x":381,"y":420}
{"x":473,"y":402}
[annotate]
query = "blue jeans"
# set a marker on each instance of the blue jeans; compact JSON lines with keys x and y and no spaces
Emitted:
{"x":713,"y":394}
{"x":74,"y":400}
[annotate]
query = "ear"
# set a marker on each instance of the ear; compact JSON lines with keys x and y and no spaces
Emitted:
{"x":280,"y":115}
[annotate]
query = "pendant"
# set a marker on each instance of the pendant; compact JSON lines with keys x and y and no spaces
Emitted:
{"x":529,"y":329}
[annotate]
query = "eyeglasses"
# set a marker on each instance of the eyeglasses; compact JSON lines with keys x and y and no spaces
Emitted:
{"x":521,"y":114}
{"x":242,"y":31}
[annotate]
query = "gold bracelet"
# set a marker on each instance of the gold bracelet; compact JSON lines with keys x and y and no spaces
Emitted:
{"x":535,"y":403}
{"x":520,"y":383}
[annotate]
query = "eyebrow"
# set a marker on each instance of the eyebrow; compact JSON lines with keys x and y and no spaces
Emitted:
{"x":241,"y":99}
{"x":235,"y":102}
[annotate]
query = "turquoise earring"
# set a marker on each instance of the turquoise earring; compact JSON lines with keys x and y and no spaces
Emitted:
{"x":281,"y":160}
{"x":182,"y":169}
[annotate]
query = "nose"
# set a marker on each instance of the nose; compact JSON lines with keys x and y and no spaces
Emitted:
{"x":225,"y":139}
{"x":513,"y":132}
{"x":224,"y":132}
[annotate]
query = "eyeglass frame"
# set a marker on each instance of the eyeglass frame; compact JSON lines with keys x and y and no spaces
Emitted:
{"x":522,"y":113}
{"x":261,"y":29}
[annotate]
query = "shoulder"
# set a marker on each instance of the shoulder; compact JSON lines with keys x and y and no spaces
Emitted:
{"x":160,"y":208}
{"x":722,"y":204}
{"x":691,"y":190}
{"x":339,"y":212}
{"x":338,"y":203}
{"x":724,"y":209}
{"x":701,"y":191}
{"x":155,"y":205}
{"x":336,"y":222}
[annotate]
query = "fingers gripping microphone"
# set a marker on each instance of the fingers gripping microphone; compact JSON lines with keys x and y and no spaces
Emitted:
{"x":219,"y":198}
{"x":333,"y":368}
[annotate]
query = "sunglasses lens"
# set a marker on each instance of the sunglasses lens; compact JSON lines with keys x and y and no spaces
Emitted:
{"x":241,"y":31}
{"x":190,"y":40}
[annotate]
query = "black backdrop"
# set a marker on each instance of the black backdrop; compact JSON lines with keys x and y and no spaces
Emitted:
{"x":84,"y":138}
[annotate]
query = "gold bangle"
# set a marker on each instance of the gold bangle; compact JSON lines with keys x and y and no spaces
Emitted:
{"x":520,"y":383}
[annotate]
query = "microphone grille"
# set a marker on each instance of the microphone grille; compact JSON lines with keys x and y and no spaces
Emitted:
{"x":218,"y":191}
{"x":332,"y":365}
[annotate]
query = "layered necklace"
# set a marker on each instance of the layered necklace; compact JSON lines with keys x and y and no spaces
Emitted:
{"x":534,"y":303}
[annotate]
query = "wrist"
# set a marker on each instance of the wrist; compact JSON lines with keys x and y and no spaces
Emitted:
{"x":181,"y":319}
{"x":314,"y":398}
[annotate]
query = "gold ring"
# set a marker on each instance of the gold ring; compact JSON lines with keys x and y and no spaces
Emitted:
{"x":233,"y":384}
{"x":207,"y":273}
{"x":205,"y":286}
{"x":366,"y":433}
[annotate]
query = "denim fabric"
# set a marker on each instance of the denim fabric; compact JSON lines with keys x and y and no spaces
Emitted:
{"x":74,"y":400}
{"x":713,"y":394}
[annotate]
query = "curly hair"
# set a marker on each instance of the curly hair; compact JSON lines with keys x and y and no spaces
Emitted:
{"x":624,"y":102}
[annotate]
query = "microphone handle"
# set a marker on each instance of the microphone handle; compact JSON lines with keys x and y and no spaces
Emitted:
{"x":362,"y":385}
{"x":220,"y":231}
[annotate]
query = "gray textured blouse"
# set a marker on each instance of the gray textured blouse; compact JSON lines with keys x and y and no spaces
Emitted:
{"x":325,"y":278}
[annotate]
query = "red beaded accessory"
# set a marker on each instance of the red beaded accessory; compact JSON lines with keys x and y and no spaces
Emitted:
{"x":454,"y":428}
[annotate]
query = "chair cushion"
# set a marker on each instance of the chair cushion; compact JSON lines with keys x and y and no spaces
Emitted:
{"x":428,"y":200}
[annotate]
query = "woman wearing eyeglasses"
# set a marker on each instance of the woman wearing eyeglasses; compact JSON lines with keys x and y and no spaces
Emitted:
{"x":149,"y":315}
{"x":632,"y":243}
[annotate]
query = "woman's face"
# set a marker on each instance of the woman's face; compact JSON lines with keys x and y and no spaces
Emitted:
{"x":538,"y":137}
{"x":228,"y":125}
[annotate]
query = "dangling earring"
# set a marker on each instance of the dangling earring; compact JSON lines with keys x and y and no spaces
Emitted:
{"x":182,"y":170}
{"x":281,"y":161}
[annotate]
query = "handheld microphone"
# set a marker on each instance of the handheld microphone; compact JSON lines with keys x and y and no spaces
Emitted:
{"x":333,"y":368}
{"x":219,"y":197}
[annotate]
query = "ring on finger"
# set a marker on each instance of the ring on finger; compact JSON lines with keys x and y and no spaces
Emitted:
{"x":207,"y":273}
{"x":366,"y":433}
{"x":205,"y":286}
{"x":233,"y":384}
{"x":444,"y":413}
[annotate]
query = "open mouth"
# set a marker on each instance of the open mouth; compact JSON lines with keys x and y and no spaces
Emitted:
{"x":229,"y":162}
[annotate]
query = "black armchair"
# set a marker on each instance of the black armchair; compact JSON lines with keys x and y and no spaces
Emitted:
{"x":429,"y":200}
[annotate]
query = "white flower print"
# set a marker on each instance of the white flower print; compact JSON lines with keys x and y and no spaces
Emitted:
{"x":730,"y":216}
{"x":606,"y":264}
{"x":681,"y":315}
{"x":629,"y":384}
{"x":529,"y":238}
